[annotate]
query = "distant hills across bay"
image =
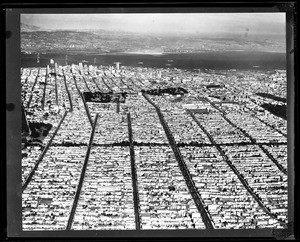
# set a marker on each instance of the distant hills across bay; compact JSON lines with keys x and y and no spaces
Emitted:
{"x":36,"y":39}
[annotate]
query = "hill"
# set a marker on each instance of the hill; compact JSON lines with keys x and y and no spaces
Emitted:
{"x":105,"y":41}
{"x":29,"y":28}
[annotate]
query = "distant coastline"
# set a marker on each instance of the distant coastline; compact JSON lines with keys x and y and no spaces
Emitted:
{"x":142,"y":53}
{"x":215,"y":60}
{"x":89,"y":52}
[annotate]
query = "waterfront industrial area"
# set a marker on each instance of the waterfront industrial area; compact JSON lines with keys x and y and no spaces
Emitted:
{"x":137,"y":148}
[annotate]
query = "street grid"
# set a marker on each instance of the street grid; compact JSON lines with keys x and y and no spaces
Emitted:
{"x":75,"y":83}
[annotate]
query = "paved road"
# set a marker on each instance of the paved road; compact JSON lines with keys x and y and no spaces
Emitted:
{"x":134,"y":176}
{"x":234,"y":169}
{"x":279,"y":166}
{"x":28,"y":179}
{"x":84,"y":103}
{"x":31,"y":94}
{"x":69,"y":95}
{"x":75,"y":202}
{"x":185,"y":172}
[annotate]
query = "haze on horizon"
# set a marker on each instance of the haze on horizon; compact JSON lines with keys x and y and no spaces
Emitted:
{"x":245,"y":24}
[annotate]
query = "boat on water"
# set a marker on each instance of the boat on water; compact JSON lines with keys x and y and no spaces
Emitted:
{"x":256,"y":66}
{"x":168,"y":64}
{"x":140,"y":62}
{"x":170,"y":61}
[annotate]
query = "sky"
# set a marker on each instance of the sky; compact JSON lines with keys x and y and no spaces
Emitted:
{"x":239,"y":23}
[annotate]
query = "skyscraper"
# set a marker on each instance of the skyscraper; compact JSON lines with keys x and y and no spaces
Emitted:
{"x":117,"y":65}
{"x":38,"y":58}
{"x":66,"y":60}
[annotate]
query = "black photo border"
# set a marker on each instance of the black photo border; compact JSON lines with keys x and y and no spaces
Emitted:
{"x":11,"y":66}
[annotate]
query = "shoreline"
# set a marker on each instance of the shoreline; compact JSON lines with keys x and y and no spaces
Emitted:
{"x":217,"y":60}
{"x":80,"y":52}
